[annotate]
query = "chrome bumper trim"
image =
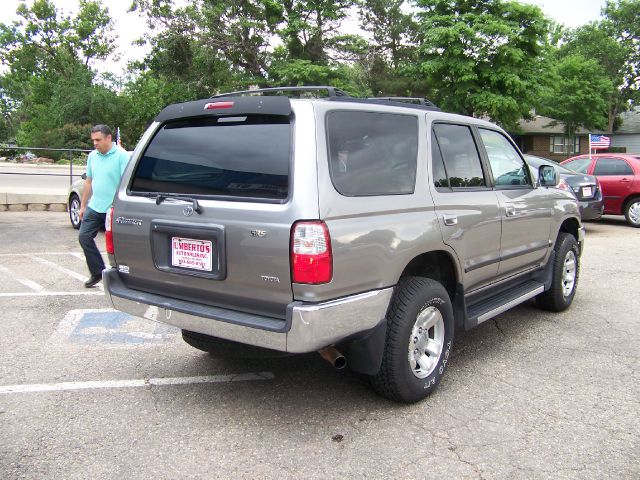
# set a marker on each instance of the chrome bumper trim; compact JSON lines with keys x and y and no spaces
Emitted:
{"x":313,"y":326}
{"x":318,"y":325}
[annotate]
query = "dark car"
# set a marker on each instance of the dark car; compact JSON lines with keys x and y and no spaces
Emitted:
{"x":586,"y":188}
{"x":619,"y":177}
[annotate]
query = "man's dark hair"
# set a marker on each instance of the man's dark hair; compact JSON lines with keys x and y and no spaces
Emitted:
{"x":103,"y":129}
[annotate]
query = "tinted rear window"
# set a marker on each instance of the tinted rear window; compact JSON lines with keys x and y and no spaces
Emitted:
{"x":218,"y":156}
{"x":372,"y":153}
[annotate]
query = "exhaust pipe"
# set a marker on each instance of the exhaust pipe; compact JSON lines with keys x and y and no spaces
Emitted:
{"x":334,"y":357}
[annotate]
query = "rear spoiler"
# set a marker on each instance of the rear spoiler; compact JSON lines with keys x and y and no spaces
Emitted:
{"x":228,"y":106}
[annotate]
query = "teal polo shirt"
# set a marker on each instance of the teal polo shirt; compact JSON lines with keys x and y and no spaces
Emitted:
{"x":105,"y":172}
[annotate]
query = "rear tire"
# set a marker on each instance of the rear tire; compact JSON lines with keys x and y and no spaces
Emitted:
{"x":219,"y":347}
{"x":632,"y":212}
{"x":419,"y":337}
{"x":566,"y":270}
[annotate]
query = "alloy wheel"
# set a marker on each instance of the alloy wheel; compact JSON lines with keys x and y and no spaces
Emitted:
{"x":426,"y":342}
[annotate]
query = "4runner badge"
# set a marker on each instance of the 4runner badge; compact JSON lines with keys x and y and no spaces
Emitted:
{"x":129,"y":221}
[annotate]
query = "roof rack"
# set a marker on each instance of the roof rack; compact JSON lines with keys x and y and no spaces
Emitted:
{"x":413,"y":100}
{"x":390,"y":101}
{"x":335,"y":94}
{"x":332,"y":91}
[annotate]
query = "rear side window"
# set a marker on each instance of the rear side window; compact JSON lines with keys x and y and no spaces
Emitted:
{"x":612,"y":166}
{"x":460,"y":155}
{"x":243,"y":157}
{"x":580,"y":165}
{"x":372,"y":153}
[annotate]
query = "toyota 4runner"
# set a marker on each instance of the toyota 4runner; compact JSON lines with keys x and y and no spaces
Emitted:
{"x":365,"y":229}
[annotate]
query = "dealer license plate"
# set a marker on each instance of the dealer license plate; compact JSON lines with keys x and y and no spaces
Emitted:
{"x":190,"y":253}
{"x":587,"y":192}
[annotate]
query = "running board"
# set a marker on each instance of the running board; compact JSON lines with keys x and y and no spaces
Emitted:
{"x":501,"y":302}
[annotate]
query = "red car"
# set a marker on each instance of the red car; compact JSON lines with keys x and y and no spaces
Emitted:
{"x":619,"y":177}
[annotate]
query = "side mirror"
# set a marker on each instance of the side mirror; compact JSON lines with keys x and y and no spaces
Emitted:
{"x":84,"y":176}
{"x":547,"y":176}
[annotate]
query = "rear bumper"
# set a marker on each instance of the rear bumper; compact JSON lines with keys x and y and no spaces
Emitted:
{"x":307,"y":328}
{"x":591,"y":210}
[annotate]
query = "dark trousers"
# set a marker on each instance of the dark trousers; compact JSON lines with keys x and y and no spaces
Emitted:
{"x":92,"y":221}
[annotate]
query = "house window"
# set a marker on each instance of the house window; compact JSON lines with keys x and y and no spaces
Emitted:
{"x":564,"y":145}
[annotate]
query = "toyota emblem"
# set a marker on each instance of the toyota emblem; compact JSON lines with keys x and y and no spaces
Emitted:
{"x":187,"y":211}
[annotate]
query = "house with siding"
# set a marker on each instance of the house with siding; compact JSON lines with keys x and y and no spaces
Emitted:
{"x":626,"y":139}
{"x":541,"y":138}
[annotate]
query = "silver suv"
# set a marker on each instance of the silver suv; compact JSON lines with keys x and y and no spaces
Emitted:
{"x":365,"y":229}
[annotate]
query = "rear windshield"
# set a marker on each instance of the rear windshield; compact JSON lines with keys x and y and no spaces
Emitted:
{"x":244,"y":157}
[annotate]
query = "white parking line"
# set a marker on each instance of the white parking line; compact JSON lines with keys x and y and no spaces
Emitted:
{"x":53,"y":294}
{"x":58,"y":387}
{"x":36,"y":287}
{"x":71,"y":273}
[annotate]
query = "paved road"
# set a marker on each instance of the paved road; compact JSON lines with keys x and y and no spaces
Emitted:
{"x":16,"y":178}
{"x":85,"y":393}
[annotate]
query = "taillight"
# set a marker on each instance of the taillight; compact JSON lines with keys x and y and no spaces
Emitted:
{"x":108,"y":234}
{"x":311,"y":259}
{"x":218,"y":105}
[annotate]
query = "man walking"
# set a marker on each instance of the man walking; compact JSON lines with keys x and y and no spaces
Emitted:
{"x":105,"y":166}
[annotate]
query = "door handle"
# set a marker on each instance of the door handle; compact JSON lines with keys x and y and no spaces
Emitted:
{"x":510,"y":210}
{"x":450,"y":219}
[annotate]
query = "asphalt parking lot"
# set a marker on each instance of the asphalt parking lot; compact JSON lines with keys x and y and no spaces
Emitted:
{"x":88,"y":393}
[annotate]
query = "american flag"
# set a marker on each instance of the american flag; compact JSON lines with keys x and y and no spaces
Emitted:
{"x":600,"y":141}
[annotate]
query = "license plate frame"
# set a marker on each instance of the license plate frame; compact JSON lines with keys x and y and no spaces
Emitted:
{"x":192,"y":254}
{"x":162,"y":232}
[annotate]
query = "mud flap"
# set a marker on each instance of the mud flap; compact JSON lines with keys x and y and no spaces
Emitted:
{"x":364,"y":354}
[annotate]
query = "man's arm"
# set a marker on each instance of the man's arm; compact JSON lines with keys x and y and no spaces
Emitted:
{"x":86,"y":195}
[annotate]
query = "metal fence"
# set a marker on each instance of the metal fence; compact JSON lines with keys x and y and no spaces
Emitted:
{"x":10,"y":148}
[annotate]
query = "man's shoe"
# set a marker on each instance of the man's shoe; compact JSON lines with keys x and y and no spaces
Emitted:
{"x":93,"y":280}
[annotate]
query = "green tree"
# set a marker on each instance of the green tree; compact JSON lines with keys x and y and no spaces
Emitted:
{"x":49,"y":80}
{"x":315,"y":51}
{"x":598,"y":42}
{"x":310,"y":25}
{"x":482,"y":57}
{"x":392,"y":46}
{"x":393,"y":31}
{"x":576,"y":94}
{"x":622,"y":24}
{"x":210,"y":45}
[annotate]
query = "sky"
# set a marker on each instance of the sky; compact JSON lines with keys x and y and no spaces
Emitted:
{"x":130,"y":26}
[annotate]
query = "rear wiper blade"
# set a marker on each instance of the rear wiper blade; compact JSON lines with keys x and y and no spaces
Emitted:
{"x":196,"y":206}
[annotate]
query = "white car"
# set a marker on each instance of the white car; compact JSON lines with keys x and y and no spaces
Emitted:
{"x":74,"y":198}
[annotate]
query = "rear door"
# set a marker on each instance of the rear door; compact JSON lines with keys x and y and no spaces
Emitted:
{"x":206,"y":216}
{"x":616,"y":181}
{"x":466,"y":206}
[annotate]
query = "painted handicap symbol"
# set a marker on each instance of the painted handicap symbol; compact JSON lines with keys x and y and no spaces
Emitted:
{"x":113,"y":328}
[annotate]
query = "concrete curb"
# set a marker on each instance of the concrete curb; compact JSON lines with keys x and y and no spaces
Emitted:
{"x":20,"y":202}
{"x":34,"y":207}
